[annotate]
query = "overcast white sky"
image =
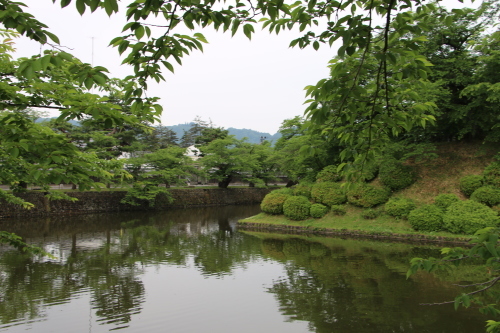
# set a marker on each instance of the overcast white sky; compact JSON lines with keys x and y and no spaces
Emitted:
{"x":234,"y":82}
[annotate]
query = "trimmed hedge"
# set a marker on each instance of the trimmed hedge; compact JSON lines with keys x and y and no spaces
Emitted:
{"x":273,"y":202}
{"x":303,"y":189}
{"x":444,"y":200}
{"x":396,"y":176}
{"x":297,"y":208}
{"x":470,"y":183}
{"x":328,"y":174}
{"x":318,"y":210}
{"x":467,"y":217}
{"x":399,"y":207}
{"x":328,"y":193}
{"x":487,"y":195}
{"x":427,"y":218}
{"x":367,"y":195}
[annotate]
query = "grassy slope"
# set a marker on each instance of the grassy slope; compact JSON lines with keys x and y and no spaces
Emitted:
{"x":441,"y":175}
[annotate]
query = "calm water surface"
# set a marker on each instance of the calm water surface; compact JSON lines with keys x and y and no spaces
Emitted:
{"x":192,"y":271}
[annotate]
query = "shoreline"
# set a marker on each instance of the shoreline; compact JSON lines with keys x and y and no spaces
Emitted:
{"x":306,"y":230}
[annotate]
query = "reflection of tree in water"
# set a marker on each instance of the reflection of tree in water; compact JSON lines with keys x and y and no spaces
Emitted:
{"x":111,"y":272}
{"x":340,"y":289}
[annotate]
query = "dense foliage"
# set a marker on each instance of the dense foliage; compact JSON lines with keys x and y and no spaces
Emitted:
{"x":426,"y":218}
{"x":368,"y":195}
{"x":318,"y":210}
{"x":399,"y":207}
{"x":487,"y":195}
{"x":273,"y":202}
{"x":467,"y":217}
{"x":328,"y":193}
{"x":395,"y":175}
{"x":444,"y":200}
{"x":297,"y":208}
{"x":470,"y":183}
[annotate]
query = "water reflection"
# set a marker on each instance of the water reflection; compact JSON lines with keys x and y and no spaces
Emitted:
{"x":190,"y":271}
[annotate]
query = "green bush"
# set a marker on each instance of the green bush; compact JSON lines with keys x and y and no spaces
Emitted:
{"x":318,"y":210}
{"x":303,"y":189}
{"x":297,"y":208}
{"x":328,"y":193}
{"x":467,"y":217}
{"x":444,"y":200}
{"x":328,"y":174}
{"x":399,"y":207}
{"x":395,"y":175}
{"x":426,"y":218}
{"x":470,"y":183}
{"x":367,"y":195}
{"x":487,"y":195}
{"x":273,"y":202}
{"x":338,"y":210}
{"x":492,"y":173}
{"x":370,"y":214}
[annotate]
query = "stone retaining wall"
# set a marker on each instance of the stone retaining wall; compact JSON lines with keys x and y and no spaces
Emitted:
{"x":109,"y":201}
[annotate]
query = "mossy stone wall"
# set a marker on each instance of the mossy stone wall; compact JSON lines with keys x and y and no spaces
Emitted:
{"x":109,"y":201}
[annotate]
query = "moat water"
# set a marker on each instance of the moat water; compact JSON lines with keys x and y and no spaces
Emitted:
{"x":191,"y":270}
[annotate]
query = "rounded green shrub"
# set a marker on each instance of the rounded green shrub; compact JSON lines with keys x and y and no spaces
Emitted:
{"x":370,"y":214}
{"x":273,"y":202}
{"x":328,"y":174}
{"x":303,"y":189}
{"x":396,"y":176}
{"x":399,"y":207}
{"x":470,"y":183}
{"x":328,"y":193}
{"x":467,"y":217}
{"x":444,"y":200}
{"x":492,"y":173}
{"x":297,"y":208}
{"x":318,"y":210}
{"x":367,"y":195}
{"x":338,"y":210}
{"x":426,"y":218}
{"x":487,"y":195}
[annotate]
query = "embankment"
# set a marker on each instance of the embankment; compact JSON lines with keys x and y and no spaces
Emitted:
{"x":109,"y":201}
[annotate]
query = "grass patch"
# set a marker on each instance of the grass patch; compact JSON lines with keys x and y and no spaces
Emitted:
{"x":352,"y":221}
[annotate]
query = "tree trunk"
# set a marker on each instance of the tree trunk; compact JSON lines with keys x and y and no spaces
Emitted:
{"x":225,"y":182}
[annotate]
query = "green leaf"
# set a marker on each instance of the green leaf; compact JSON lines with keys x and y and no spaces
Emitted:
{"x":14,"y":152}
{"x":80,"y":6}
{"x":139,"y":32}
{"x":248,"y":30}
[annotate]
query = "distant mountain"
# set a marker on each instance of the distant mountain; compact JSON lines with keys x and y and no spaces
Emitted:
{"x":252,"y":135}
{"x":39,"y":120}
